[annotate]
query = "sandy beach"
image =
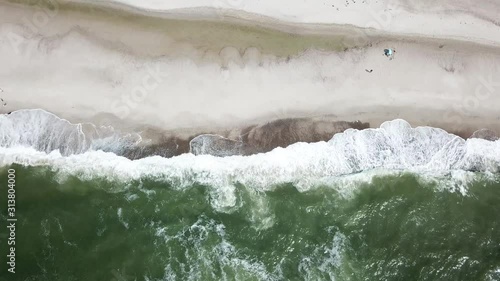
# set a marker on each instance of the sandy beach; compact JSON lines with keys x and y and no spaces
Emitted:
{"x":206,"y":67}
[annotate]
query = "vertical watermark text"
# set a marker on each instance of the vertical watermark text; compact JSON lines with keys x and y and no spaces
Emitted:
{"x":11,"y":220}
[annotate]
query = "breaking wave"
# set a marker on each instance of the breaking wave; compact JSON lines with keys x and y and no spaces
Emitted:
{"x":38,"y":138}
{"x":45,"y":132}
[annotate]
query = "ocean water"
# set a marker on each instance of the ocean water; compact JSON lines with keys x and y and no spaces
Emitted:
{"x":393,"y":203}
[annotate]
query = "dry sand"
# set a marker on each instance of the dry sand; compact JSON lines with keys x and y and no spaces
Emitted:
{"x":161,"y":70}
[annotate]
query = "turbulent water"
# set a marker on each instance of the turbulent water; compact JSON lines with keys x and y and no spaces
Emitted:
{"x":393,"y":203}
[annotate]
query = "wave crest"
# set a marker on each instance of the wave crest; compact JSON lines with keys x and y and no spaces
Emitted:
{"x":395,"y":146}
{"x":46,"y":132}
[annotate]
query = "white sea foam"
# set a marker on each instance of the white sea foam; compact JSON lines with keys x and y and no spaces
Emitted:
{"x":394,"y":147}
{"x":119,"y":213}
{"x":493,"y":275}
{"x":324,"y":259}
{"x":42,"y":131}
{"x":213,"y":251}
{"x":46,"y":132}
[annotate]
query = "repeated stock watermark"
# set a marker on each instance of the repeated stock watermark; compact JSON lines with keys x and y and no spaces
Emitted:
{"x":23,"y":35}
{"x":26,"y":34}
{"x":486,"y":89}
{"x":154,"y":77}
{"x":20,"y":36}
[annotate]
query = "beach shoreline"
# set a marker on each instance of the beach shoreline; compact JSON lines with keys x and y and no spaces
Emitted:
{"x":196,"y":74}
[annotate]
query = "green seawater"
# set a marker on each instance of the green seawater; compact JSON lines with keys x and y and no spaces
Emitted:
{"x":394,"y":228}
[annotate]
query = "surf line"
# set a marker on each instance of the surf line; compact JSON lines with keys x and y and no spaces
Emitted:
{"x":11,"y":219}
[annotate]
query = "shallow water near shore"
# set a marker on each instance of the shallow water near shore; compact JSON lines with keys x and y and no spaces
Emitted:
{"x":388,"y":203}
{"x":395,"y":227}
